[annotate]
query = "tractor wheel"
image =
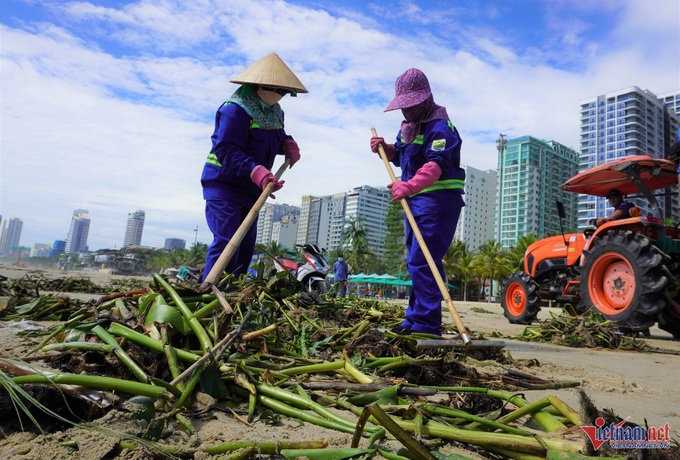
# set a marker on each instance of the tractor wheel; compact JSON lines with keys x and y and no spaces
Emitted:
{"x":624,"y":278}
{"x":520,"y":298}
{"x":669,"y":321}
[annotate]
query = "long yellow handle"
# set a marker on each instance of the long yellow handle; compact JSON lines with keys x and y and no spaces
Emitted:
{"x":426,"y":252}
{"x":235,"y":241}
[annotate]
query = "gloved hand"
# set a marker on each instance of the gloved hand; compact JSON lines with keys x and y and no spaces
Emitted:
{"x":425,"y":177}
{"x":261,"y":177}
{"x":291,"y":151}
{"x":390,"y":151}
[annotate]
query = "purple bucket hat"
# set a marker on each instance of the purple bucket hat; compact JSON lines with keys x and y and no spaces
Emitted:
{"x":411,"y":89}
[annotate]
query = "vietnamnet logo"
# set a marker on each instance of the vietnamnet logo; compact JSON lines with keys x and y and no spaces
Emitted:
{"x":628,"y":437}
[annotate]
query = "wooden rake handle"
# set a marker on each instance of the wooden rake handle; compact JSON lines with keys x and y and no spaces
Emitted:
{"x":235,"y":241}
{"x":426,"y":252}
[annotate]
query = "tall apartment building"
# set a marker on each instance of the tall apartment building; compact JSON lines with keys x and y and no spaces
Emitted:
{"x":315,"y":219}
{"x":626,"y":122}
{"x":175,"y":243}
{"x":271,"y":214}
{"x":10,"y":236}
{"x":531,"y":172}
{"x":476,"y":222}
{"x":323,"y":219}
{"x":671,"y":101}
{"x":134,"y":228}
{"x":76,"y":240}
{"x":368,"y":206}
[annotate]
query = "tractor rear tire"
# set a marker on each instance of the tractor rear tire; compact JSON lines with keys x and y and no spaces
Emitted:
{"x":669,"y":321}
{"x":520,"y":298}
{"x":624,"y":277}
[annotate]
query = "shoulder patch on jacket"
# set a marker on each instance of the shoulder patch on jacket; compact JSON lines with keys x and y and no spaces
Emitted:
{"x":439,"y":144}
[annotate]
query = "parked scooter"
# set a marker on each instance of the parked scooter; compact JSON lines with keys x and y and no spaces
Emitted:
{"x":312,"y":273}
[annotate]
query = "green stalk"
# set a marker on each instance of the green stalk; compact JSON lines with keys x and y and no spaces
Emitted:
{"x":436,"y":410}
{"x":268,"y":448}
{"x":313,"y":368}
{"x":99,"y":382}
{"x":547,"y":421}
{"x":498,"y":440}
{"x":303,"y":402}
{"x":290,"y":411}
{"x":565,"y":410}
{"x":171,"y":357}
{"x":141,"y":339}
{"x":56,"y":332}
{"x":189,"y":389}
{"x":84,"y":346}
{"x":120,"y":353}
{"x":206,"y":309}
{"x":194,"y":323}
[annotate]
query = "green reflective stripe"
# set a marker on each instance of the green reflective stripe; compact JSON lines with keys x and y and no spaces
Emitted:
{"x":212,"y":159}
{"x":418,"y":140}
{"x":447,"y":184}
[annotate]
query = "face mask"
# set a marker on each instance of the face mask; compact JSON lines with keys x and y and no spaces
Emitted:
{"x":339,"y":259}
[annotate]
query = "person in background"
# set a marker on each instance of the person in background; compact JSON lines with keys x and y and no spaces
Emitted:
{"x":249,"y":133}
{"x":427,"y":149}
{"x":621,"y":208}
{"x":340,"y":272}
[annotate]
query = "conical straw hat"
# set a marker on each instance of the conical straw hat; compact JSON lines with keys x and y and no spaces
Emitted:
{"x":270,"y":71}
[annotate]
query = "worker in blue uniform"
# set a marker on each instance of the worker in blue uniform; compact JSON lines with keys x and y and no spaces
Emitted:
{"x":427,"y":149}
{"x":249,"y":133}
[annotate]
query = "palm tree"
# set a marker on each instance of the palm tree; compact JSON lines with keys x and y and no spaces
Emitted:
{"x":517,"y":251}
{"x":492,"y":260}
{"x":354,"y":238}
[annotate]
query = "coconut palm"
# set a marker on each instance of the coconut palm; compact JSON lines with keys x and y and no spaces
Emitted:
{"x":492,"y":260}
{"x":354,"y":239}
{"x":517,"y":251}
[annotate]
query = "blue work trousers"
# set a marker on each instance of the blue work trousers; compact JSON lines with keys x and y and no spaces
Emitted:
{"x":223,"y":220}
{"x":424,"y":312}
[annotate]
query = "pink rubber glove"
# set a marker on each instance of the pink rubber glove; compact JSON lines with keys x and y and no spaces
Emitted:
{"x":291,"y":151}
{"x":390,"y":151}
{"x":261,"y":177}
{"x":425,"y":177}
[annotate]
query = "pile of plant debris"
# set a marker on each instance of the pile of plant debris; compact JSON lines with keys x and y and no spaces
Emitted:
{"x":165,"y":352}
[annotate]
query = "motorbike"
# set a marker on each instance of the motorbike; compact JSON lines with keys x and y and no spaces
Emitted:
{"x":311,"y":273}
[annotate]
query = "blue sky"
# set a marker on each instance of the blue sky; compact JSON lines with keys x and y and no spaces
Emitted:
{"x":108,"y":105}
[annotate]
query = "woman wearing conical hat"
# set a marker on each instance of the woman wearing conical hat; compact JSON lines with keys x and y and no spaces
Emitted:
{"x":249,"y":133}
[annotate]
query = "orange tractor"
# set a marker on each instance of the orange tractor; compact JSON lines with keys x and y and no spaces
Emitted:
{"x":628,"y":270}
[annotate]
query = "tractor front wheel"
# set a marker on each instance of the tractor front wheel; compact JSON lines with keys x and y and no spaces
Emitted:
{"x":624,"y":278}
{"x":520,"y":299}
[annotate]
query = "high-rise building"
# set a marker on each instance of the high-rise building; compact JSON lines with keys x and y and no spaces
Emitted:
{"x":323,"y":220}
{"x":671,"y":101}
{"x":76,"y":240}
{"x":314,"y":223}
{"x":174,"y":243}
{"x":614,"y":125}
{"x":134,"y":228}
{"x":531,"y":172}
{"x":368,"y":206}
{"x":10,"y":236}
{"x":476,"y":222}
{"x":269,"y":215}
{"x":39,"y":250}
{"x":58,"y":248}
